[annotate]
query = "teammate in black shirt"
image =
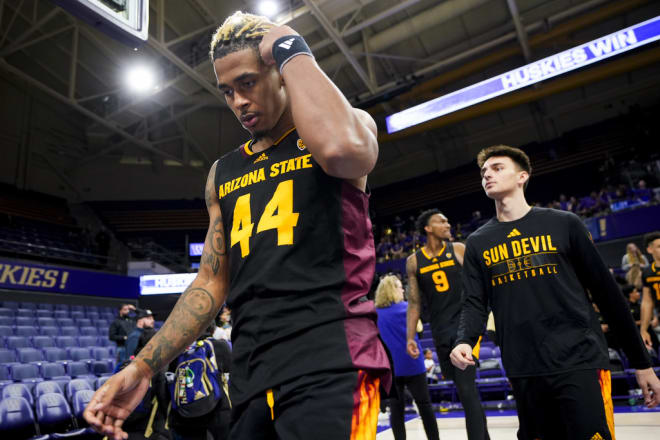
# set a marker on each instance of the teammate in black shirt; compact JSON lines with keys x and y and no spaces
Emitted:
{"x":434,"y":271}
{"x":650,"y":286}
{"x":533,"y":267}
{"x":290,"y":234}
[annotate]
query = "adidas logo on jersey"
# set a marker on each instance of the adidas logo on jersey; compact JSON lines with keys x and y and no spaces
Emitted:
{"x":597,"y":436}
{"x":286,"y":44}
{"x":514,"y":233}
{"x":260,"y":158}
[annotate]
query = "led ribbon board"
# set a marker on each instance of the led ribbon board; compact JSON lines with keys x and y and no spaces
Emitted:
{"x":558,"y":64}
{"x":195,"y":249}
{"x":162,"y":284}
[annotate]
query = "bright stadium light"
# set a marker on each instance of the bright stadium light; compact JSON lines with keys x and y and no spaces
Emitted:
{"x":268,"y":8}
{"x":141,"y":79}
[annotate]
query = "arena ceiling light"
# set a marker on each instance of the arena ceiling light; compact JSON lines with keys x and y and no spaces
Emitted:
{"x":268,"y":8}
{"x":541,"y":70}
{"x":141,"y":79}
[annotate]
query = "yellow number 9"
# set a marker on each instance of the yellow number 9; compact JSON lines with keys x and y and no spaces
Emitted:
{"x":440,"y":280}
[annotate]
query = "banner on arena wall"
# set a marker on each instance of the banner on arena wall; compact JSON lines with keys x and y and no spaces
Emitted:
{"x":29,"y":276}
{"x":624,"y":223}
{"x":164,"y":284}
{"x":546,"y":68}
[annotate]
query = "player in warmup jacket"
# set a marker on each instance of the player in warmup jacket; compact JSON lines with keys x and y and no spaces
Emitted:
{"x":535,"y":268}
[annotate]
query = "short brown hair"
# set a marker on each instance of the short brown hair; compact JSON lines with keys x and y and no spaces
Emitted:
{"x":518,"y":156}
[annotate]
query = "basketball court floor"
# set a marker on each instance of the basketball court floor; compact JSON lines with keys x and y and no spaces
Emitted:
{"x":634,"y":423}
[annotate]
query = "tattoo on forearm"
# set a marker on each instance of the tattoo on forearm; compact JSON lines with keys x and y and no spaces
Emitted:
{"x":215,"y":246}
{"x":194,"y":310}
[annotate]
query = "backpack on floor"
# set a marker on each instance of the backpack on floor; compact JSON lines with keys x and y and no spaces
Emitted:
{"x":196,"y":388}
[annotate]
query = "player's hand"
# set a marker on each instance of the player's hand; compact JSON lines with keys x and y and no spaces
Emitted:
{"x":115,"y":400}
{"x":646,"y":337}
{"x":650,"y":385}
{"x":461,"y":356}
{"x":412,"y":348}
{"x":266,"y":45}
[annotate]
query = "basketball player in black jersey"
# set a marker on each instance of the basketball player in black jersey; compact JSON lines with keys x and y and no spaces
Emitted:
{"x":533,"y":267}
{"x":289,"y":248}
{"x":650,"y":286}
{"x":435,"y":272}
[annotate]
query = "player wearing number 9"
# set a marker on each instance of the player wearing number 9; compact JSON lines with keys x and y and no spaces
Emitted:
{"x":434,"y":273}
{"x":289,"y":248}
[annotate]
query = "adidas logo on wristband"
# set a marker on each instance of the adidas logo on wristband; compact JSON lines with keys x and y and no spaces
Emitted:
{"x":286,"y":44}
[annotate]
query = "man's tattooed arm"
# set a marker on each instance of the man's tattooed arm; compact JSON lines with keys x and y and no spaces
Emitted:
{"x":201,"y":301}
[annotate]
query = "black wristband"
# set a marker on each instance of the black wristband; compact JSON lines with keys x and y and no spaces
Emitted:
{"x":287,"y":47}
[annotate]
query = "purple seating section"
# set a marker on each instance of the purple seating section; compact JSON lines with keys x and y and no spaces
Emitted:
{"x":52,"y":358}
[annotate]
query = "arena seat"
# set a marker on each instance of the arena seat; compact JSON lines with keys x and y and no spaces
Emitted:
{"x":4,"y":311}
{"x":42,"y":342}
{"x":87,"y":341}
{"x":49,"y":331}
{"x":46,"y":322}
{"x":15,"y":342}
{"x":6,"y":330}
{"x":88,"y":331}
{"x":69,"y":331}
{"x":25,"y":331}
{"x":41,"y":313}
{"x":24,"y":313}
{"x":77,"y":314}
{"x":54,"y":354}
{"x":497,"y":352}
{"x":7,"y":320}
{"x":27,"y":374}
{"x":17,"y":390}
{"x":30,"y":356}
{"x":100,"y":381}
{"x":84,"y":322}
{"x":28,"y":306}
{"x":101,"y":353}
{"x":66,"y":341}
{"x":64,"y":307}
{"x":485,"y":353}
{"x":74,"y":386}
{"x":45,"y":387}
{"x":79,"y":354}
{"x":65,"y":322}
{"x":10,"y":305}
{"x":45,"y":306}
{"x":53,"y":413}
{"x":60,"y":314}
{"x":490,"y":368}
{"x":80,"y":370}
{"x":7,"y":356}
{"x":80,"y":400}
{"x":17,"y":418}
{"x":21,"y":320}
{"x":101,"y":368}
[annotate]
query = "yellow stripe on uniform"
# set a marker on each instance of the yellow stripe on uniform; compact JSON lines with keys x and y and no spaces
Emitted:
{"x":605,"y":380}
{"x":477,"y":347}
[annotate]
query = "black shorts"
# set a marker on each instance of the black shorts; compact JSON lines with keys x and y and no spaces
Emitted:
{"x":330,"y":405}
{"x":568,"y":406}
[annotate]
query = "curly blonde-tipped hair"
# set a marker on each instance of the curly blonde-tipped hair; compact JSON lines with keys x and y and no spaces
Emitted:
{"x":240,"y":31}
{"x":387,"y":292}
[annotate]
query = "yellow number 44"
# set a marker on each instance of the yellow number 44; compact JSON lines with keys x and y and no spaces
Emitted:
{"x":284,"y":220}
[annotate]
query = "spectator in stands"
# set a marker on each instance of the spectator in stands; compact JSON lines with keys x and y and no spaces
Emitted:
{"x":632,"y":263}
{"x":563,"y":202}
{"x":572,"y":204}
{"x":119,"y":330}
{"x":216,"y":422}
{"x":408,"y":372}
{"x":430,"y":366}
{"x":223,"y":329}
{"x":642,"y":193}
{"x":144,"y":322}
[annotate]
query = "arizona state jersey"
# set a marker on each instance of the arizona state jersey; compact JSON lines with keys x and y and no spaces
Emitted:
{"x":534,"y":273}
{"x":651,"y":279}
{"x":439,"y":279}
{"x":301,"y":259}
